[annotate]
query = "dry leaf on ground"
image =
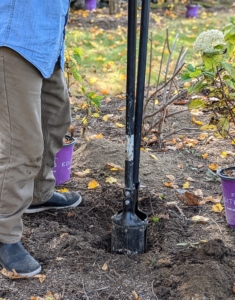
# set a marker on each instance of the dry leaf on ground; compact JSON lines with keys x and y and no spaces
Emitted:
{"x":171,"y":177}
{"x":205,"y":155}
{"x":105,"y":267}
{"x":198,"y":192}
{"x":83,"y":173}
{"x":188,"y":198}
{"x":114,"y":167}
{"x":111,"y":180}
{"x":217,"y":208}
{"x":190,"y":179}
{"x":119,"y":125}
{"x":41,"y":277}
{"x":63,"y":190}
{"x":136,"y":295}
{"x":11,"y":274}
{"x":213,"y":167}
{"x":93,"y":184}
{"x":211,"y":199}
{"x":153,"y":156}
{"x":186,"y":185}
{"x":200,"y":219}
{"x":170,"y":185}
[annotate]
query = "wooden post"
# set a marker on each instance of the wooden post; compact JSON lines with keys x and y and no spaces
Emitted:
{"x":114,"y":7}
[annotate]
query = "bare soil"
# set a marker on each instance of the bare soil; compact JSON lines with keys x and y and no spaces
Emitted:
{"x":185,"y":260}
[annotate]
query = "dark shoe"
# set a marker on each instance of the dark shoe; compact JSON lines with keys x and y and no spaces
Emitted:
{"x":57,"y":201}
{"x":14,"y":256}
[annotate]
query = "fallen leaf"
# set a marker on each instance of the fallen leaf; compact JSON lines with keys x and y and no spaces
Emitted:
{"x":111,"y":180}
{"x":135,"y":295}
{"x":180,"y":102}
{"x":190,"y":179}
{"x":153,"y":156}
{"x":63,"y":190}
{"x":211,"y":199}
{"x":196,"y":112}
{"x":104,"y":92}
{"x":41,"y":277}
{"x":200,"y":219}
{"x":98,"y":136}
{"x":230,"y":153}
{"x":187,"y":84}
{"x":105,"y":267}
{"x":64,"y":235}
{"x":208,"y":127}
{"x":234,"y":288}
{"x":213,"y":167}
{"x":218,"y":135}
{"x":93,"y":184}
{"x":188,"y":198}
{"x":119,"y":125}
{"x":205,"y":155}
{"x":114,"y":167}
{"x":196,"y":121}
{"x":105,"y":118}
{"x":202,"y":136}
{"x":122,"y":108}
{"x":93,"y":80}
{"x":186,"y":185}
{"x":180,"y":166}
{"x":217,"y":208}
{"x":174,"y":148}
{"x":171,"y":177}
{"x":223,"y":154}
{"x":168,"y":184}
{"x":179,"y":145}
{"x":162,"y":216}
{"x":200,"y":166}
{"x":198,"y":192}
{"x":11,"y":274}
{"x":83,"y":173}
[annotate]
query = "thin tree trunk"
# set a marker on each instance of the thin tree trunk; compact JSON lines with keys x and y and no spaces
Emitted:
{"x":114,"y":7}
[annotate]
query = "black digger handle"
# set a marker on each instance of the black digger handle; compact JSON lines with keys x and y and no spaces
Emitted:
{"x":130,"y":92}
{"x":140,"y":86}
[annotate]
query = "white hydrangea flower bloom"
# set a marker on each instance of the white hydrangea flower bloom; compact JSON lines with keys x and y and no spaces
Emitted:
{"x":207,"y":40}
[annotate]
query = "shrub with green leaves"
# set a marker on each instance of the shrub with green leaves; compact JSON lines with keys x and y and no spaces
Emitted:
{"x":214,"y":77}
{"x":91,"y":104}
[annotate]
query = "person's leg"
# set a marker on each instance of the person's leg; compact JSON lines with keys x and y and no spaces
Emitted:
{"x":21,"y":149}
{"x":55,"y":124}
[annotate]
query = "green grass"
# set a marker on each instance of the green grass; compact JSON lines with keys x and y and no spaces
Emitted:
{"x":103,"y":63}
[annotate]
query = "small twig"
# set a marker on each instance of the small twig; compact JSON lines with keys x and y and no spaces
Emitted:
{"x":111,"y":292}
{"x":176,"y":131}
{"x":177,"y":112}
{"x":174,"y":203}
{"x":84,"y":290}
{"x":62,"y":294}
{"x":153,"y":291}
{"x":217,"y":225}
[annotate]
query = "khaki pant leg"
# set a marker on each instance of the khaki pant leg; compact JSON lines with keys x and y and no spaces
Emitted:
{"x":55,"y":123}
{"x":21,"y":140}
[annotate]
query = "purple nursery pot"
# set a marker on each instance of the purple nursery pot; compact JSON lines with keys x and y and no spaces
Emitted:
{"x":63,"y":162}
{"x":228,"y":188}
{"x":90,"y":4}
{"x":191,"y":11}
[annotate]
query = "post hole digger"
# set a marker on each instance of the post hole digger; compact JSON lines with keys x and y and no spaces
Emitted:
{"x":129,"y":226}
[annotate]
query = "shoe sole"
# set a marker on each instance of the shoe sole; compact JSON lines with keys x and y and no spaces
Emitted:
{"x":43,"y":208}
{"x":24,"y":275}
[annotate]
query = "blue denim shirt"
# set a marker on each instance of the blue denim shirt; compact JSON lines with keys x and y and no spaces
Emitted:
{"x":35,"y":29}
